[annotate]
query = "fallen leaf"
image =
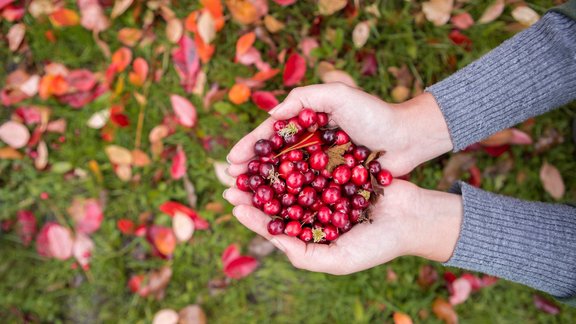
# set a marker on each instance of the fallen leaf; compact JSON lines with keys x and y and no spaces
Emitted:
{"x":165,"y":316}
{"x":174,"y":30}
{"x":26,"y":226}
{"x":360,"y":34}
{"x":492,"y":12}
{"x":126,"y":226}
{"x":15,"y":36}
{"x":171,"y":207}
{"x":265,"y":100}
{"x":82,"y":249}
{"x":99,"y":119}
{"x":41,"y":160}
{"x":329,"y":7}
{"x":140,"y":158}
{"x":178,"y":168}
{"x":120,"y":6}
{"x":118,"y":154}
{"x":456,"y":166}
{"x":545,"y":305}
{"x":129,"y":36}
{"x":92,"y":15}
{"x":438,"y":11}
{"x":294,"y":70}
{"x":184,"y":110}
{"x":400,"y":93}
{"x":552,"y":181}
{"x":140,"y":72}
{"x":525,"y":15}
{"x":156,"y":283}
{"x":508,"y":136}
{"x":87,"y":215}
{"x":186,"y":62}
{"x":163,"y":239}
{"x":550,"y":138}
{"x":54,"y":241}
{"x":336,"y":155}
{"x":9,"y":153}
{"x":244,"y":43}
{"x":192,"y":314}
{"x":206,"y":27}
{"x":121,"y":59}
{"x":462,"y":21}
{"x":461,"y":289}
{"x":183,"y":227}
{"x":338,"y":76}
{"x":243,"y":11}
{"x":240,"y":267}
{"x":14,"y":134}
{"x":285,"y":2}
{"x":239,"y":93}
{"x":64,"y":17}
{"x":273,"y":25}
{"x":444,"y":311}
{"x":427,"y":276}
{"x":402,"y":318}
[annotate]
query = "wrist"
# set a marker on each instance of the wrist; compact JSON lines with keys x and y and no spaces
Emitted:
{"x":436,"y":221}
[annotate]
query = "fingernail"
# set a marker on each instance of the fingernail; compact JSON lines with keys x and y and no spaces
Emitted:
{"x":235,"y":211}
{"x":277,"y":244}
{"x":224,"y":194}
{"x":271,"y":111}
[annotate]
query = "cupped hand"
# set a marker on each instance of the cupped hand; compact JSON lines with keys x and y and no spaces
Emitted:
{"x":410,"y":133}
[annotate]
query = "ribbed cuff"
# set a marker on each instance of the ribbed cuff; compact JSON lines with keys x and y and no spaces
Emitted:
{"x":528,"y":75}
{"x":532,"y":243}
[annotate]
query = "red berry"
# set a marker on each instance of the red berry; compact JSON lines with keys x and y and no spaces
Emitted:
{"x":322,"y":119}
{"x":295,"y":212}
{"x":288,"y":199}
{"x":290,"y":140}
{"x":279,"y":125}
{"x":277,"y":141}
{"x":294,"y":191}
{"x":374,"y":167}
{"x":318,"y":160}
{"x":272,"y":207}
{"x":302,"y":166}
{"x":319,"y":183}
{"x":254,"y":167}
{"x":255,"y":181}
{"x":257,"y":202}
{"x":313,"y":148}
{"x":279,"y":186}
{"x":349,"y":160}
{"x":293,"y":228}
{"x":286,"y":167}
{"x":330,"y":232}
{"x":243,"y":182}
{"x":308,"y":217}
{"x":264,"y":193}
{"x":307,"y":197}
{"x":295,"y":180}
{"x":309,"y":177}
{"x":359,"y":202}
{"x":324,"y":215}
{"x":270,"y":158}
{"x":326,"y":174}
{"x":317,"y":205}
{"x":355,"y":215}
{"x":341,"y":174}
{"x":384,"y":178}
{"x":276,"y":227}
{"x":295,"y":155}
{"x":359,"y":175}
{"x":341,"y":137}
{"x":296,"y":123}
{"x":266,"y":169}
{"x":342,"y":204}
{"x":306,"y":234}
{"x":346,"y":227}
{"x":361,"y":153}
{"x":349,"y":189}
{"x":307,"y":117}
{"x":331,"y":195}
{"x":263,"y":147}
{"x":328,"y":136}
{"x":339,"y":219}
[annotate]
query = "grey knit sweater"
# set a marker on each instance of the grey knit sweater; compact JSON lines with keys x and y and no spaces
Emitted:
{"x":531,"y":243}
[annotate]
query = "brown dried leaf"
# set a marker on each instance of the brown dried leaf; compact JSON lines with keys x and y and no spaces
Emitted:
{"x":438,"y":11}
{"x":9,"y":153}
{"x":272,"y":24}
{"x":492,"y":12}
{"x":329,"y":7}
{"x":41,"y":161}
{"x":402,"y":75}
{"x":552,"y":181}
{"x":120,"y":6}
{"x":458,"y":164}
{"x":192,"y":314}
{"x":444,"y":311}
{"x":427,"y":276}
{"x":157,"y":282}
{"x":140,"y":158}
{"x":190,"y":192}
{"x":336,"y":155}
{"x":549,"y":139}
{"x":371,"y":157}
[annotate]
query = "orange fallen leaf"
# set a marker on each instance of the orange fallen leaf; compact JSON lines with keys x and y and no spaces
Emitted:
{"x":52,"y":85}
{"x":215,"y":9}
{"x":402,"y":318}
{"x":121,"y":58}
{"x":243,"y":11}
{"x":444,"y":311}
{"x":140,"y":72}
{"x":205,"y":51}
{"x":9,"y":153}
{"x":239,"y":93}
{"x":190,"y":22}
{"x":129,"y":36}
{"x":244,"y":43}
{"x":265,"y":75}
{"x":64,"y":17}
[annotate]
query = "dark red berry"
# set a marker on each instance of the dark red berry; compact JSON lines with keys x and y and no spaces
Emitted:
{"x":342,"y":204}
{"x":288,"y":199}
{"x":254,"y":167}
{"x":263,"y":147}
{"x":341,"y":137}
{"x":355,"y":215}
{"x":324,"y":215}
{"x":317,"y":205}
{"x":270,"y":159}
{"x":307,"y":197}
{"x":243,"y":182}
{"x":349,"y":189}
{"x":291,"y":140}
{"x":339,"y":219}
{"x":277,"y":141}
{"x":359,"y":175}
{"x":295,"y":155}
{"x":309,"y":177}
{"x":302,"y":166}
{"x":255,"y":181}
{"x":374,"y":167}
{"x":308,"y":217}
{"x":293,"y":228}
{"x":295,"y":180}
{"x":384,"y":178}
{"x":359,"y":202}
{"x":306,"y":234}
{"x":278,"y":186}
{"x":319,"y":183}
{"x":307,"y":117}
{"x":361,"y":153}
{"x":264,"y":193}
{"x":322,"y":119}
{"x":330,"y":232}
{"x":266,"y":169}
{"x":367,"y":186}
{"x":349,"y":160}
{"x":257,"y":202}
{"x":330,"y":195}
{"x":295,"y":212}
{"x":328,"y":137}
{"x":318,"y":160}
{"x":346,"y":227}
{"x":276,"y":227}
{"x":350,"y":149}
{"x":272,"y":207}
{"x":341,"y":174}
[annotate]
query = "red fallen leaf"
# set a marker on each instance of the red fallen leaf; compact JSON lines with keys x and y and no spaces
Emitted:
{"x":118,"y":117}
{"x":140,"y":72}
{"x":171,"y":207}
{"x":4,"y":3}
{"x":231,"y":253}
{"x":64,"y":17}
{"x":87,"y":215}
{"x":307,"y":44}
{"x":496,"y":151}
{"x":80,"y":80}
{"x":135,"y":283}
{"x":14,"y":134}
{"x":82,"y":249}
{"x":427,"y":276}
{"x":294,"y":70}
{"x":487,"y":280}
{"x":449,"y":277}
{"x":460,"y":39}
{"x":178,"y":169}
{"x":162,"y":239}
{"x":285,"y":2}
{"x":13,"y":12}
{"x":475,"y":176}
{"x":475,"y":282}
{"x":462,"y":21}
{"x":461,"y":289}
{"x":205,"y":51}
{"x":241,"y":267}
{"x":121,"y":59}
{"x":184,"y":110}
{"x":54,"y":241}
{"x":369,"y":63}
{"x":126,"y":226}
{"x":29,"y":115}
{"x":26,"y":226}
{"x":186,"y":62}
{"x":265,"y":100}
{"x":508,"y":136}
{"x":545,"y":305}
{"x":52,"y":84}
{"x":265,"y":75}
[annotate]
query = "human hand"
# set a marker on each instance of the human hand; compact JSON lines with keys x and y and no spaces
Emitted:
{"x":407,"y":220}
{"x":410,"y":133}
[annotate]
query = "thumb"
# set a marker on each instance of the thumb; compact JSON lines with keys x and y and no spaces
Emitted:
{"x":318,"y":97}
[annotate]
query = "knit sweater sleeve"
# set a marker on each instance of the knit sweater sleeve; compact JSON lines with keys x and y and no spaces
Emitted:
{"x":532,"y":243}
{"x":527,"y":75}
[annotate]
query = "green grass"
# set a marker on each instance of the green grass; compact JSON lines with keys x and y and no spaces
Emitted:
{"x":50,"y":291}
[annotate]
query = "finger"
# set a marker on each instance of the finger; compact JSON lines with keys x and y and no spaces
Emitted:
{"x":243,"y":151}
{"x":237,"y":197}
{"x":319,"y":97}
{"x":235,"y":170}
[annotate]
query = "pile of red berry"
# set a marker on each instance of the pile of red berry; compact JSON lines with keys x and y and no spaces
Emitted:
{"x":311,"y":179}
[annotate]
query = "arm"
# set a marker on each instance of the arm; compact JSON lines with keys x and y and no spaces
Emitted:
{"x":528,"y":75}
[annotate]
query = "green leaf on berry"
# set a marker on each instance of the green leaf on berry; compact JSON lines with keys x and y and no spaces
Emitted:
{"x":365,"y":194}
{"x":336,"y":155}
{"x":318,"y":235}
